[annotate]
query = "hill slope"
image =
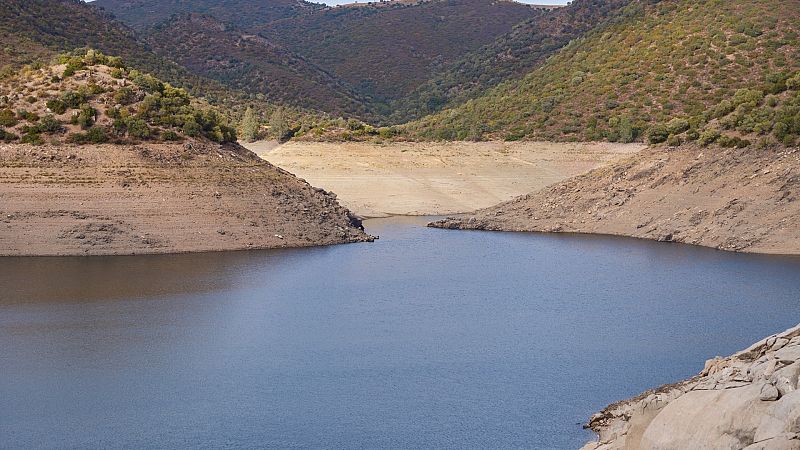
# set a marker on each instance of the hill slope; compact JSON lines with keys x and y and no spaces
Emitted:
{"x":385,"y":51}
{"x":251,"y":63}
{"x":654,"y":63}
{"x":730,"y":199}
{"x":100,"y":159}
{"x":511,"y":56}
{"x":242,"y":13}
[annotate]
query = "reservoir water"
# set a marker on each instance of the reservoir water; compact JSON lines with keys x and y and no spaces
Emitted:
{"x":424,"y":339}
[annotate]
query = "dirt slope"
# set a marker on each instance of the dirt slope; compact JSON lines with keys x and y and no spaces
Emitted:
{"x":731,"y":199}
{"x":427,"y":178}
{"x":158,"y":198}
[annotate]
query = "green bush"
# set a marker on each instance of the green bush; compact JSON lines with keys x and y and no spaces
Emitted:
{"x":73,"y":99}
{"x":86,"y":116}
{"x":8,"y":118}
{"x":57,"y":106}
{"x":658,"y":134}
{"x":169,"y":135}
{"x":708,"y":137}
{"x":137,"y":128}
{"x":31,"y":138}
{"x":674,"y":140}
{"x":5,"y":136}
{"x":94,"y":135}
{"x":677,"y":125}
{"x":124,"y":96}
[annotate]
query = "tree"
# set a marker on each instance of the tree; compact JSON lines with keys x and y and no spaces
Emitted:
{"x":250,"y":126}
{"x":278,"y":125}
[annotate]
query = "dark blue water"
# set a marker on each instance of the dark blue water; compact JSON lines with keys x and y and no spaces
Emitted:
{"x":425,"y":338}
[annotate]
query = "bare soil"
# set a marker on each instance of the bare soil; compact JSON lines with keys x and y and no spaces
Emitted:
{"x":731,"y":199}
{"x":158,"y":198}
{"x":431,"y":178}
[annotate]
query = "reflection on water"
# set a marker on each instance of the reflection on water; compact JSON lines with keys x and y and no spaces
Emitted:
{"x":425,"y":338}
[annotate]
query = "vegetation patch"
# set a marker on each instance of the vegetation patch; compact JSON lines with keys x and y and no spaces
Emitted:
{"x":94,"y":98}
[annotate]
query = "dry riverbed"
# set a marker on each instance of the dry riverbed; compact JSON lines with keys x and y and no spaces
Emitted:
{"x":425,"y":178}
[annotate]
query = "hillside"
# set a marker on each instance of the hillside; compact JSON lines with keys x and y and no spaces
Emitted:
{"x":385,"y":51}
{"x":248,"y":62}
{"x":102,"y":159}
{"x":711,"y":65}
{"x":96,"y":98}
{"x":730,"y":199}
{"x":243,"y":13}
{"x":35,"y":30}
{"x":510,"y":56}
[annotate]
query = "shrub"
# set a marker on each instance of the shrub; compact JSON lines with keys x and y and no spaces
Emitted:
{"x":124,"y":96}
{"x":8,"y":118}
{"x":169,"y":135}
{"x":48,"y":124}
{"x":5,"y":136}
{"x":73,"y":99}
{"x":27,"y":115}
{"x":674,"y":140}
{"x":137,"y":128}
{"x":57,"y":106}
{"x":709,"y":137}
{"x":677,"y":125}
{"x":86,"y":117}
{"x":658,"y":134}
{"x":94,"y":135}
{"x":31,"y":138}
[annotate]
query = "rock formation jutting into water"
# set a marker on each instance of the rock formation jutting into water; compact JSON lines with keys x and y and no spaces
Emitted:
{"x":749,"y":400}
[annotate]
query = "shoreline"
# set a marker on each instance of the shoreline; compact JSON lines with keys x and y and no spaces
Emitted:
{"x":757,"y":385}
{"x":158,"y":199}
{"x":728,"y":199}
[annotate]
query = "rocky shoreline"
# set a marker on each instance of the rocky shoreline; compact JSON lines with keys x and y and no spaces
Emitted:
{"x":194,"y":196}
{"x":749,"y":400}
{"x":731,"y":199}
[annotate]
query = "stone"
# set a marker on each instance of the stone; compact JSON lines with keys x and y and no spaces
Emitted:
{"x":768,"y":393}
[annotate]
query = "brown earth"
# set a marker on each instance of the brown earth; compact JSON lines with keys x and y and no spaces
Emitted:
{"x":435,"y":178}
{"x":158,"y":198}
{"x":731,"y":199}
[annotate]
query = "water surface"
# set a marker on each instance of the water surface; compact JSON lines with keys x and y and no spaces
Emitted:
{"x":425,"y":338}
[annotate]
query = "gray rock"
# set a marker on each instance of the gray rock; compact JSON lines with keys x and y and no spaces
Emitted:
{"x":769,"y":393}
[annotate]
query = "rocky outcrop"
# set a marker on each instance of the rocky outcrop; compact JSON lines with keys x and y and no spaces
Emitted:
{"x":159,"y":198}
{"x":731,"y":199}
{"x":746,"y":401}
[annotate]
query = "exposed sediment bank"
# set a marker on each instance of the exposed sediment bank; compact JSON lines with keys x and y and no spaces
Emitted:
{"x":158,"y":198}
{"x":435,"y":178}
{"x":732,"y":199}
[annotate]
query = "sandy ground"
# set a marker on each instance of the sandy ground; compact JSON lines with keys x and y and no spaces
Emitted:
{"x":732,"y":199}
{"x":158,"y":198}
{"x":435,"y":178}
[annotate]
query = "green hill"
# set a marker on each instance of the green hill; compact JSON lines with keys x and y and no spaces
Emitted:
{"x":387,"y":50}
{"x":247,"y":62}
{"x":510,"y":56}
{"x":349,"y":60}
{"x":36,"y":31}
{"x":94,"y":98}
{"x":141,"y":14}
{"x":675,"y":69}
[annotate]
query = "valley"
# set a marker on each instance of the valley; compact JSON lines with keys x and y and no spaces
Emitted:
{"x":608,"y":193}
{"x":428,"y":178}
